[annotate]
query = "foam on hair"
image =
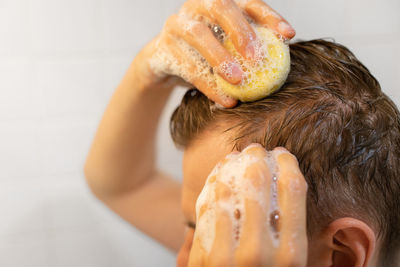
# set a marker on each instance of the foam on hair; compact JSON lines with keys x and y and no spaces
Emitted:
{"x":333,"y":116}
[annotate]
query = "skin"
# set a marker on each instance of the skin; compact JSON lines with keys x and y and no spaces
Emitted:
{"x":344,"y":242}
{"x":255,"y":247}
{"x":120,"y":168}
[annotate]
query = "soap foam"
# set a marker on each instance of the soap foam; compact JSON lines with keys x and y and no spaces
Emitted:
{"x":164,"y":62}
{"x":274,"y":207}
{"x":262,"y":54}
{"x":231,"y":174}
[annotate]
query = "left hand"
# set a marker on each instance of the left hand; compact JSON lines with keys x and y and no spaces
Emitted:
{"x":235,"y":225}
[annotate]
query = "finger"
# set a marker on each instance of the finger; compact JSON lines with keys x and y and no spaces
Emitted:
{"x":199,"y":36}
{"x":222,"y":248}
{"x":183,"y":256}
{"x":200,"y":247}
{"x":193,"y":74}
{"x":255,"y":149}
{"x":229,"y":16}
{"x":255,"y":234}
{"x":197,"y":253}
{"x":265,"y":15}
{"x":254,"y":238}
{"x":292,"y":190}
{"x":212,"y":92}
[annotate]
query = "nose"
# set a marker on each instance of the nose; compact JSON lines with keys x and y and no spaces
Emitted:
{"x":183,"y":256}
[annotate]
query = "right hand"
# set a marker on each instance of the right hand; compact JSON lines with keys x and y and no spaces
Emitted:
{"x":192,"y":25}
{"x":246,"y":177}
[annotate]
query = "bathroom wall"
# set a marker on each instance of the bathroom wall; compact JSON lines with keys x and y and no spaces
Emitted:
{"x":59,"y":64}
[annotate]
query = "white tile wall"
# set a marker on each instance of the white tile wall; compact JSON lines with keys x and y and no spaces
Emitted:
{"x":28,"y":249}
{"x":14,"y":29}
{"x":63,"y":144}
{"x":19,"y":146}
{"x":18,"y":82}
{"x":21,"y":208}
{"x":66,"y":27}
{"x":59,"y":63}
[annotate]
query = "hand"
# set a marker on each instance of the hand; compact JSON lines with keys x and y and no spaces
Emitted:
{"x":171,"y":54}
{"x":252,"y":212}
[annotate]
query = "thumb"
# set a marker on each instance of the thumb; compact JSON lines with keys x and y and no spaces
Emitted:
{"x":183,"y":255}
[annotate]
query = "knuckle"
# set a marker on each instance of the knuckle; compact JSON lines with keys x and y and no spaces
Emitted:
{"x":195,"y":28}
{"x":222,"y":191}
{"x":294,"y":183}
{"x":289,"y":157}
{"x":223,"y":2}
{"x":186,"y":7}
{"x":292,"y":177}
{"x":256,"y":173}
{"x":203,"y":209}
{"x":212,"y":179}
{"x":171,"y":22}
{"x":298,"y":183}
{"x":254,"y":147}
{"x":196,"y":25}
{"x":255,"y":150}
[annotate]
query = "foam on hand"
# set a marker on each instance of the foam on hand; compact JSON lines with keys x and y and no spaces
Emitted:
{"x":231,"y":174}
{"x":267,"y":76}
{"x":171,"y":61}
{"x":261,"y":78}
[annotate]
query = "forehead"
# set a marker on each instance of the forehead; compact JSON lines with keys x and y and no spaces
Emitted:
{"x":198,"y":161}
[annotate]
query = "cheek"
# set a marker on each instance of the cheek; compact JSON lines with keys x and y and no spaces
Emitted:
{"x":183,"y":255}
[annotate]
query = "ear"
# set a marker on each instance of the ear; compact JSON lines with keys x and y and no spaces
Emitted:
{"x":346,"y":242}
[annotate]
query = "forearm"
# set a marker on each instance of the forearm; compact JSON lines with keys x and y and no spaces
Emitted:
{"x":123,"y":152}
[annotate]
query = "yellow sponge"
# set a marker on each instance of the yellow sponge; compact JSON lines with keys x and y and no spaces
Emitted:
{"x":266,"y":77}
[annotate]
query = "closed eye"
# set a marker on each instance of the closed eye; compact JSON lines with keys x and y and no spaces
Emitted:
{"x":191,"y":225}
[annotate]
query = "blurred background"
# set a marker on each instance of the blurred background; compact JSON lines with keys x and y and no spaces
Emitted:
{"x":59,"y":64}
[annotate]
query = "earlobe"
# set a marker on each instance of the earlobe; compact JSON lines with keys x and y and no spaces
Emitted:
{"x":353,"y":242}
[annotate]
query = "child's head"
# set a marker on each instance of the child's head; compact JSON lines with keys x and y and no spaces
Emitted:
{"x":332,"y":115}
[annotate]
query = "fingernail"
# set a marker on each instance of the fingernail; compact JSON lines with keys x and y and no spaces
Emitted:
{"x":237,"y":73}
{"x":227,"y":101}
{"x":230,"y":103}
{"x":254,"y":53}
{"x":231,"y":71}
{"x":285,"y":29}
{"x":250,"y":50}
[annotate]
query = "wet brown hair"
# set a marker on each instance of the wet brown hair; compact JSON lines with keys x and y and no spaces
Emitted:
{"x":333,"y":116}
